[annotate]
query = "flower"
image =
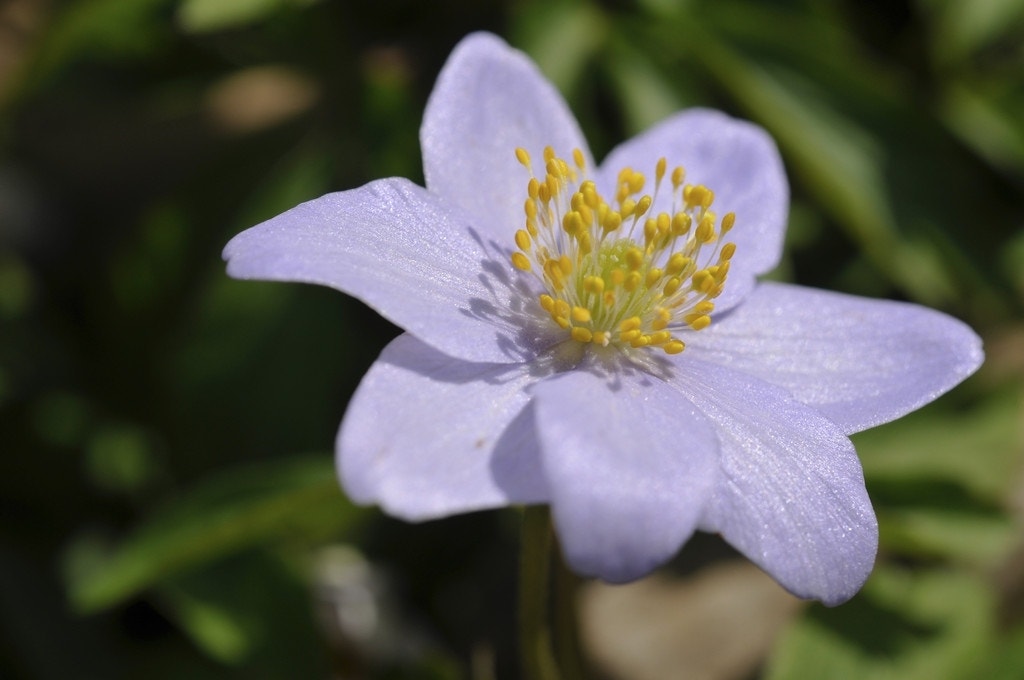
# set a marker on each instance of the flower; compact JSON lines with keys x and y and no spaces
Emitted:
{"x":588,"y":338}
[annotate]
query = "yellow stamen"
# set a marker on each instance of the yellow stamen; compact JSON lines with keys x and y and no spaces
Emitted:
{"x":616,"y":271}
{"x":577,"y":156}
{"x":580,"y":334}
{"x":523,"y":240}
{"x":581,"y":315}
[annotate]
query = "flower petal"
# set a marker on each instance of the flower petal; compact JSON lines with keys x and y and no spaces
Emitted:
{"x":629,"y":466}
{"x":792,"y":494}
{"x":740,"y":163}
{"x":427,"y":436}
{"x":860,"y":362}
{"x":488,"y":100}
{"x":404,"y":252}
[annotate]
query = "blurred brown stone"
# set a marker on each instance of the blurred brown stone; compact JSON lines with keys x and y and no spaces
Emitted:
{"x":716,"y":625}
{"x":259,"y":97}
{"x":21,"y":22}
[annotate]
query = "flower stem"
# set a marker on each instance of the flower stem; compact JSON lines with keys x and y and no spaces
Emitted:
{"x":567,"y":641}
{"x":537,"y":657}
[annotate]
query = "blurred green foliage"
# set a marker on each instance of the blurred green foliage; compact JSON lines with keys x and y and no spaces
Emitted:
{"x":158,"y":516}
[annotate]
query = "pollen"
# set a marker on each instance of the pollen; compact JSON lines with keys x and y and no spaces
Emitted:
{"x":637,"y":269}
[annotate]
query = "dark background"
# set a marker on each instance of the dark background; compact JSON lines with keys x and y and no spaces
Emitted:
{"x":168,"y":506}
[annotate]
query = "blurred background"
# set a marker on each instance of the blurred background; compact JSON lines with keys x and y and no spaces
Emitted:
{"x":168,"y":505}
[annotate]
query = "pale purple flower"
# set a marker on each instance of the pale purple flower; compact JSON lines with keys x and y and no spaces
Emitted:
{"x":563,"y":380}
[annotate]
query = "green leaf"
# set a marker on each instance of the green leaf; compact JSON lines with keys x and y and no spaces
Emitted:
{"x":904,"y":626}
{"x":987,"y":123}
{"x":251,"y":611}
{"x":290,"y":499}
{"x":940,"y":483}
{"x":200,"y":16}
{"x":110,"y":29}
{"x":212,"y":627}
{"x":562,"y":38}
{"x":645,"y":95}
{"x":1006,"y":662}
{"x":976,"y":538}
{"x":978,"y":449}
{"x":961,"y":27}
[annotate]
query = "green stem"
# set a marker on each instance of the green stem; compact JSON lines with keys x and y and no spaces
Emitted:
{"x":567,"y":641}
{"x":538,"y":660}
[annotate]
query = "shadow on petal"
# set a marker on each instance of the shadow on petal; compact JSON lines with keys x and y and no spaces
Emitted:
{"x":515,"y":461}
{"x":512,"y":306}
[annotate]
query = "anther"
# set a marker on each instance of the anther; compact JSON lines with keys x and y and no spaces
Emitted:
{"x":581,"y":315}
{"x":565,"y":264}
{"x":581,"y":334}
{"x":678,"y":175}
{"x":653,"y":276}
{"x":674,"y":347}
{"x":643,"y":205}
{"x":634,"y":258}
{"x":607,"y":284}
{"x":523,"y":240}
{"x":632,"y":323}
{"x":577,"y":157}
{"x":520,"y":261}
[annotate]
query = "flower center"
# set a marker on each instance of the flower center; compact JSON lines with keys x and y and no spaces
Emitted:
{"x":615,"y":273}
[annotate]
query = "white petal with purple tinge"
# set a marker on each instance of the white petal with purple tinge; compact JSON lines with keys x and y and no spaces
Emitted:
{"x":488,"y":100}
{"x":629,"y":464}
{"x":791,"y":496}
{"x":427,"y":436}
{"x":860,"y":362}
{"x":739,"y":162}
{"x":406,"y":253}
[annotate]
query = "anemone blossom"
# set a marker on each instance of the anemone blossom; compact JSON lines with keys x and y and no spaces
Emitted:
{"x":594,"y":337}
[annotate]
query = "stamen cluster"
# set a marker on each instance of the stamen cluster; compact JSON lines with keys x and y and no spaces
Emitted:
{"x":617,"y":273}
